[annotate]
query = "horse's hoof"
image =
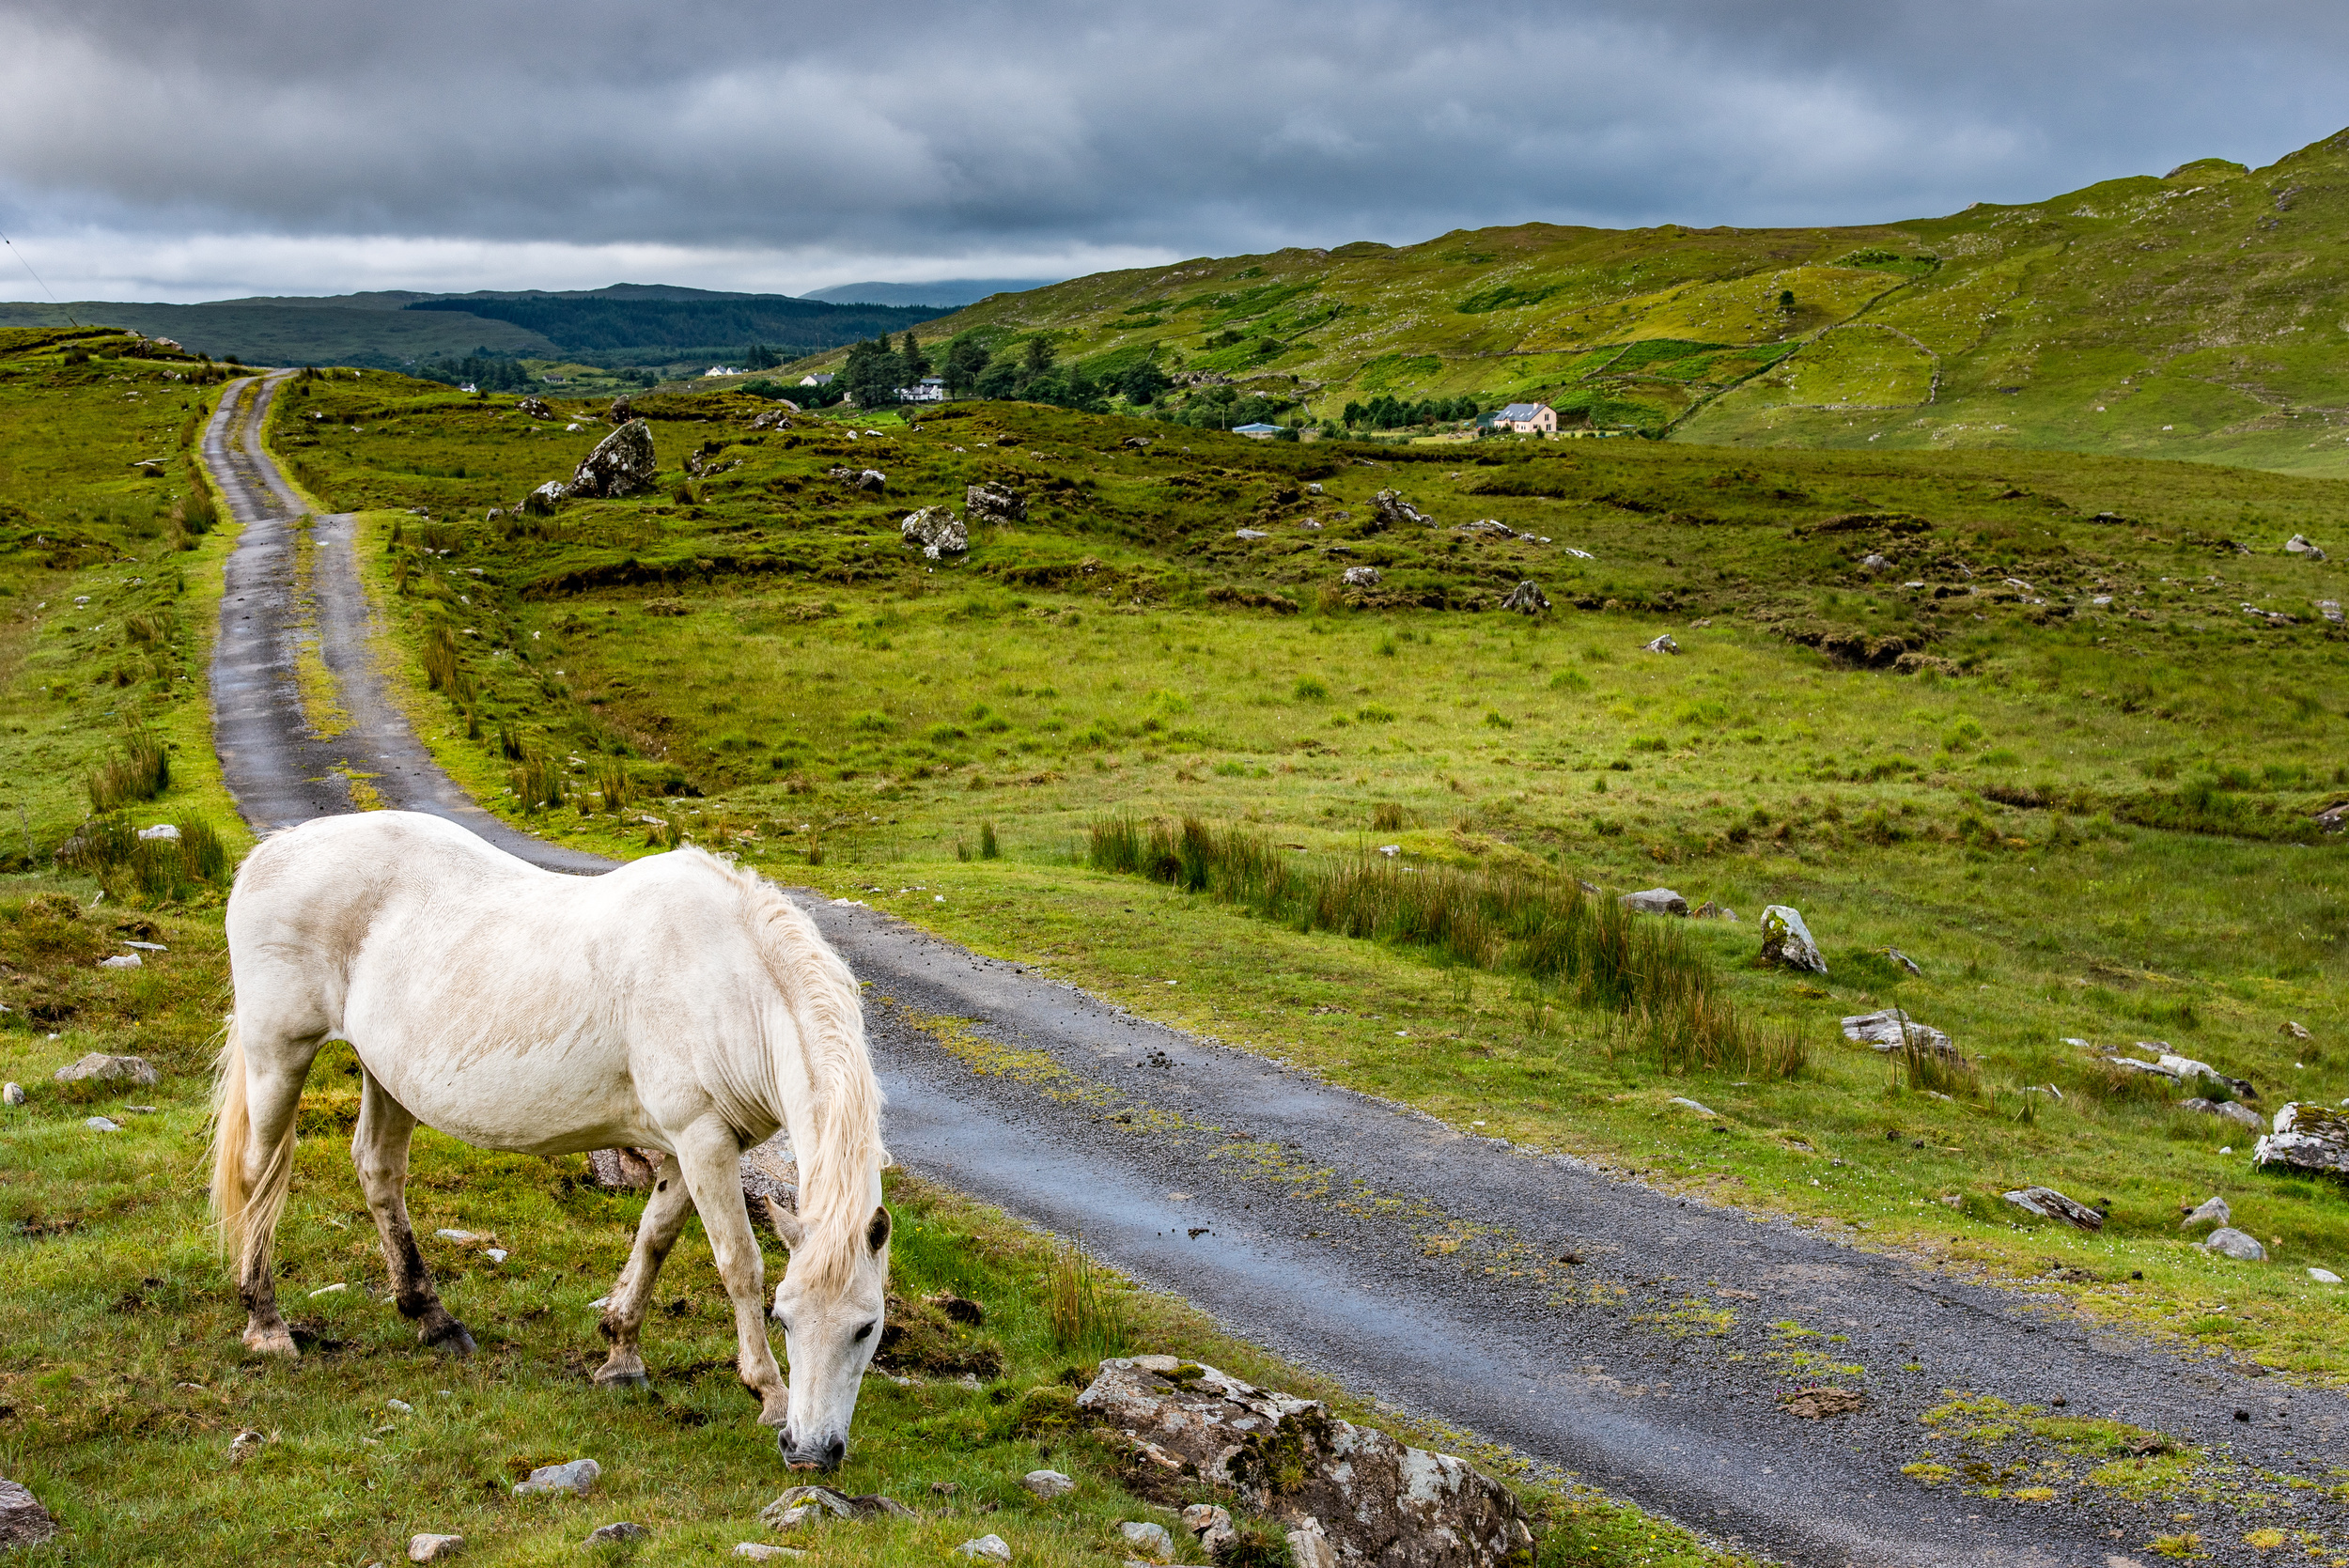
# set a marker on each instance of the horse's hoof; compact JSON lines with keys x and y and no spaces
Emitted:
{"x":451,"y":1341}
{"x":622,"y":1380}
{"x":272,"y":1342}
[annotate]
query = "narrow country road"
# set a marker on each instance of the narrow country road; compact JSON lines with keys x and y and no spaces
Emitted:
{"x":1592,"y":1324}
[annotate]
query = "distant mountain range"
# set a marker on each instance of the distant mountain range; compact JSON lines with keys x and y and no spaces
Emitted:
{"x":2201,"y":313}
{"x":393,"y":329}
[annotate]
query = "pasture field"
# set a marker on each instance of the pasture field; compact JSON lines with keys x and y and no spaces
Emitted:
{"x":2087,"y":809}
{"x":123,"y":1385}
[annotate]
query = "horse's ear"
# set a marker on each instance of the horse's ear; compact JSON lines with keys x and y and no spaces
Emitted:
{"x":876,"y":1234}
{"x":785,"y":1222}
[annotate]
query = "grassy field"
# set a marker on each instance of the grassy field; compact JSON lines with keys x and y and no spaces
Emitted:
{"x":124,"y":1388}
{"x":2186,"y":315}
{"x":2086,"y":811}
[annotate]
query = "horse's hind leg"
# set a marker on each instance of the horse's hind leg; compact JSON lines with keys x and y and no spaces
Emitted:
{"x":378,"y":1148}
{"x":624,"y":1314}
{"x":259,"y":1090}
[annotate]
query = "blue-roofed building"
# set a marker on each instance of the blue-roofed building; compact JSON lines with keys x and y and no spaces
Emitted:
{"x":1258,"y":431}
{"x":1527,"y":419}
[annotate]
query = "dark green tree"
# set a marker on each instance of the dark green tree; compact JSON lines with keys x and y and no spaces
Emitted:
{"x":1037,"y":355}
{"x":911,"y":363}
{"x":966,"y":357}
{"x":870,"y":375}
{"x":1143,"y":383}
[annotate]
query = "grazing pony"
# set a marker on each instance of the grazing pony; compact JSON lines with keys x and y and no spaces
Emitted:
{"x":675,"y":1003}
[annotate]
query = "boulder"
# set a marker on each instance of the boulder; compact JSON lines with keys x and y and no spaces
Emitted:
{"x":1875,"y":564}
{"x":993,"y":501}
{"x":2308,"y":1136}
{"x":622,"y":464}
{"x":1883,"y":1030}
{"x":1367,"y":1497}
{"x":23,"y":1522}
{"x":2331,"y":610}
{"x":1147,"y":1540}
{"x":774,"y":419}
{"x":1210,"y":1526}
{"x":1048,"y":1485}
{"x":102,"y":1068}
{"x":1361,"y":577}
{"x":1525,"y":599}
{"x":613,"y":1534}
{"x":2046,"y":1203}
{"x":542,"y":502}
{"x":807,"y":1505}
{"x":11,"y":1094}
{"x":2323,"y":1276}
{"x":1903,"y":959}
{"x":1787,"y":940}
{"x":122,"y":961}
{"x":1655,"y":901}
{"x":938,"y":531}
{"x":1682,"y":1102}
{"x":621,"y":411}
{"x":578,"y":1477}
{"x":102,"y":1123}
{"x":1661,"y":645}
{"x":2299,"y":544}
{"x":2228,"y":1242}
{"x":2241,"y":1115}
{"x":164,"y":832}
{"x":2187,"y":1070}
{"x":870,"y":479}
{"x":434,"y":1548}
{"x":2212,"y":1210}
{"x":535,"y":406}
{"x":1387,"y":509}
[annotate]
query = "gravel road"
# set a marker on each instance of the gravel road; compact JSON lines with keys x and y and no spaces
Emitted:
{"x":1590,"y":1323}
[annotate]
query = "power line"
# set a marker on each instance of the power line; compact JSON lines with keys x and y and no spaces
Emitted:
{"x":35,"y":277}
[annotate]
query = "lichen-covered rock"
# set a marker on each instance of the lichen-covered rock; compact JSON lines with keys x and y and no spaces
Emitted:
{"x":2046,"y":1203}
{"x":1883,"y":1030}
{"x":871,"y":479}
{"x":535,"y":407}
{"x":622,"y":464}
{"x":1361,"y":577}
{"x":102,"y":1068}
{"x":2308,"y":1136}
{"x":1387,"y":509}
{"x":990,"y":501}
{"x":1527,"y":598}
{"x":1661,"y":645}
{"x":1787,"y":940}
{"x":938,"y":531}
{"x":1370,"y":1498}
{"x":23,"y":1522}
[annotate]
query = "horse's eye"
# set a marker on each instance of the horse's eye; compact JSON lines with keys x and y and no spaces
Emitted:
{"x":863,"y":1334}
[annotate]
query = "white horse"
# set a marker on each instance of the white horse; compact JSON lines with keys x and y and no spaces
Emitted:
{"x":674,"y":1004}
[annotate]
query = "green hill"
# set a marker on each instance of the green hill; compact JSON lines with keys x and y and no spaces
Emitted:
{"x":2197,"y":314}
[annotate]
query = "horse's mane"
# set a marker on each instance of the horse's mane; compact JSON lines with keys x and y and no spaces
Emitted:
{"x":826,"y":1004}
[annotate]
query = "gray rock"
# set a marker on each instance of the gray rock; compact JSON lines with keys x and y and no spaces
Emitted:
{"x":625,"y":1170}
{"x":2296,"y":1029}
{"x":1373,"y":1499}
{"x":1150,"y":1540}
{"x":1527,"y":598}
{"x":542,"y":502}
{"x":1710,"y":911}
{"x":1686,"y":1104}
{"x":1251,"y":534}
{"x":1883,"y":1030}
{"x":870,"y":479}
{"x":938,"y":531}
{"x":1310,"y":1546}
{"x":1875,"y":564}
{"x":758,"y":1552}
{"x":163,"y":832}
{"x":122,"y":961}
{"x":2299,"y":544}
{"x":1047,"y":1484}
{"x":2241,"y":1115}
{"x":1787,"y":940}
{"x":621,"y":411}
{"x":434,"y":1548}
{"x":2228,"y":1242}
{"x":535,"y":407}
{"x":2323,"y":1276}
{"x":2211,"y":1211}
{"x":576,"y":1478}
{"x":1655,"y":901}
{"x":606,"y":1535}
{"x":23,"y":1522}
{"x":987,"y":1548}
{"x":1387,"y":509}
{"x":1361,"y":577}
{"x":2046,"y":1203}
{"x":2331,"y":610}
{"x":2308,"y":1136}
{"x":1661,"y":645}
{"x":994,"y":502}
{"x":622,"y":464}
{"x":804,"y":1505}
{"x":102,"y":1123}
{"x":1314,"y":488}
{"x":1903,"y":959}
{"x":1208,"y":1525}
{"x":11,"y":1094}
{"x":777,"y":418}
{"x":2187,"y":1070}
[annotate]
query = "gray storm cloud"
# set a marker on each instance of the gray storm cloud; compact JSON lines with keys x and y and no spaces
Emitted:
{"x":1043,"y":129}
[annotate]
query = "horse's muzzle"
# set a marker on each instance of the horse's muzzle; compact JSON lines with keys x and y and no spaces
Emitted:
{"x":824,"y":1456}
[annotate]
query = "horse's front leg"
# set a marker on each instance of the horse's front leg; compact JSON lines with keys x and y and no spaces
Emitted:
{"x":709,"y":1160}
{"x":379,"y":1149}
{"x":623,"y":1315}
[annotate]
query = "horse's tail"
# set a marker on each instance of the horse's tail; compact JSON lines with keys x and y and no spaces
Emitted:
{"x":246,"y":1215}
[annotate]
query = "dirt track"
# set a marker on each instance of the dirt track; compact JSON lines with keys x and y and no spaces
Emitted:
{"x":1407,"y":1260}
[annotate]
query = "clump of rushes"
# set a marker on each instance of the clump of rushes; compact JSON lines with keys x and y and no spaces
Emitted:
{"x":988,"y":848}
{"x":538,"y":781}
{"x":161,"y":869}
{"x":612,"y":781}
{"x":1532,"y":923}
{"x":442,"y":671}
{"x":140,"y":772}
{"x":1087,"y":1318}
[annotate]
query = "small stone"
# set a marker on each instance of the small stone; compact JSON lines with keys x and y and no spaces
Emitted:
{"x":987,"y":1548}
{"x":1883,"y":1030}
{"x":2046,"y":1203}
{"x":1360,"y":577}
{"x":2211,"y":1211}
{"x":806,"y":1505}
{"x":1787,"y":940}
{"x":98,"y":1066}
{"x":2323,"y":1276}
{"x":1148,"y":1538}
{"x":605,"y":1535}
{"x":400,"y":1406}
{"x":2241,"y":1115}
{"x":994,"y":502}
{"x":244,"y":1442}
{"x":576,"y":1478}
{"x":122,"y":961}
{"x":1251,"y":534}
{"x":1047,"y":1484}
{"x":2297,"y":1031}
{"x":1686,"y":1104}
{"x":1209,"y":1526}
{"x":163,"y":831}
{"x":434,"y":1548}
{"x":758,"y":1552}
{"x":1310,"y":1547}
{"x":1655,"y":901}
{"x":2331,"y":610}
{"x":1875,"y":564}
{"x":102,"y":1123}
{"x":1661,"y":645}
{"x":23,"y":1522}
{"x":460,"y":1237}
{"x":2228,"y":1242}
{"x":1903,"y":959}
{"x":1387,"y":509}
{"x":869,"y":1505}
{"x":13,"y":1093}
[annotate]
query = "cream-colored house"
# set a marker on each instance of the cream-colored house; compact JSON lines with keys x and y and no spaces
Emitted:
{"x":1527,"y":419}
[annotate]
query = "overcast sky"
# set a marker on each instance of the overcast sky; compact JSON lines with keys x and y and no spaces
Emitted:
{"x":154,"y":151}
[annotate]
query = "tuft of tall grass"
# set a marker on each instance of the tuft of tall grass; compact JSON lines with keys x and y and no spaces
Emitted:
{"x":1087,"y":1317}
{"x":109,"y":849}
{"x":140,"y":772}
{"x":538,"y":781}
{"x":443,"y":669}
{"x":989,"y":849}
{"x":613,"y":782}
{"x":1590,"y":950}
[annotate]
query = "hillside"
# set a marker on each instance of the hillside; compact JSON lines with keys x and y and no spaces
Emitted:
{"x":2196,"y":315}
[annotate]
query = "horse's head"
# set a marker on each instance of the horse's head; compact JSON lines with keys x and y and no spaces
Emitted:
{"x":830,"y":1307}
